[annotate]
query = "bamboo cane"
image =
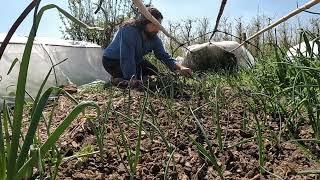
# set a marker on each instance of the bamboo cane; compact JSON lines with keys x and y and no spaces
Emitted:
{"x":281,"y":20}
{"x":147,"y":14}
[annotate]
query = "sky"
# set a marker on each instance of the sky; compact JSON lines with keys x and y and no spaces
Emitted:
{"x":173,"y":10}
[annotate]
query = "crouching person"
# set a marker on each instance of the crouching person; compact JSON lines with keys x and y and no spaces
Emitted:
{"x":123,"y":58}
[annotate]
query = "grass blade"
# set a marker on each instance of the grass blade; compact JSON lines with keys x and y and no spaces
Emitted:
{"x":219,"y":129}
{"x":211,"y":157}
{"x":67,"y":121}
{"x":15,"y":26}
{"x":20,"y":92}
{"x":6,"y":124}
{"x":20,"y":99}
{"x":57,"y":133}
{"x":307,"y":172}
{"x":43,"y":84}
{"x":307,"y":43}
{"x":202,"y":130}
{"x":19,"y":103}
{"x":12,"y":65}
{"x":169,"y":147}
{"x":166,"y":171}
{"x":2,"y":152}
{"x":35,"y":118}
{"x":138,"y":145}
{"x":124,"y":141}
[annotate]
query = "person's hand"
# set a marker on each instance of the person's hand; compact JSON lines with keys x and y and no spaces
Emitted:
{"x":133,"y":83}
{"x":184,"y":71}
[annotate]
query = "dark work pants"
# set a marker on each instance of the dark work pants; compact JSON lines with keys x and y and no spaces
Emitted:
{"x":144,"y":68}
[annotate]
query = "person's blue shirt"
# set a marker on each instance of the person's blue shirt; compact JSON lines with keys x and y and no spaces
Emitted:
{"x":129,"y":47}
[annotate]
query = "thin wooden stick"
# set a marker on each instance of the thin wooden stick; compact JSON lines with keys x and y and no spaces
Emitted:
{"x":281,"y":20}
{"x":147,"y":14}
{"x":223,"y":4}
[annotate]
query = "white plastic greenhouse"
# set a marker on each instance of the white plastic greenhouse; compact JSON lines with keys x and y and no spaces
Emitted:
{"x":83,"y":64}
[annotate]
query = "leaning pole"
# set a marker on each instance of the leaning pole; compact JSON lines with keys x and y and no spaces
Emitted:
{"x":281,"y":20}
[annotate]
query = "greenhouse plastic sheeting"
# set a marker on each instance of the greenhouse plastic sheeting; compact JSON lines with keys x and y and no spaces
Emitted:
{"x":200,"y":56}
{"x":301,"y":50}
{"x":83,"y":64}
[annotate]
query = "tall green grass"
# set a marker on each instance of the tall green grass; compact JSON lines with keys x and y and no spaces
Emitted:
{"x":16,"y":161}
{"x":278,"y":86}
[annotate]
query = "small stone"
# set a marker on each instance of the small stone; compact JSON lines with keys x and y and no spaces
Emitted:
{"x":155,"y":169}
{"x":79,"y":175}
{"x":74,"y":144}
{"x":182,"y":160}
{"x":187,"y":164}
{"x":177,"y":157}
{"x":184,"y":177}
{"x":64,"y":143}
{"x":121,"y":168}
{"x":219,"y":163}
{"x":227,"y":173}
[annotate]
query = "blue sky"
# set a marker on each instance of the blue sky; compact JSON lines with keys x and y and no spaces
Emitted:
{"x":172,"y":10}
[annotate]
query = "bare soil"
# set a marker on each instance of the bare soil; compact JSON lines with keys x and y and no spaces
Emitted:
{"x":239,"y":158}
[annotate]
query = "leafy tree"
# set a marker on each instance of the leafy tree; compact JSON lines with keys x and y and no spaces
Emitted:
{"x":112,"y":13}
